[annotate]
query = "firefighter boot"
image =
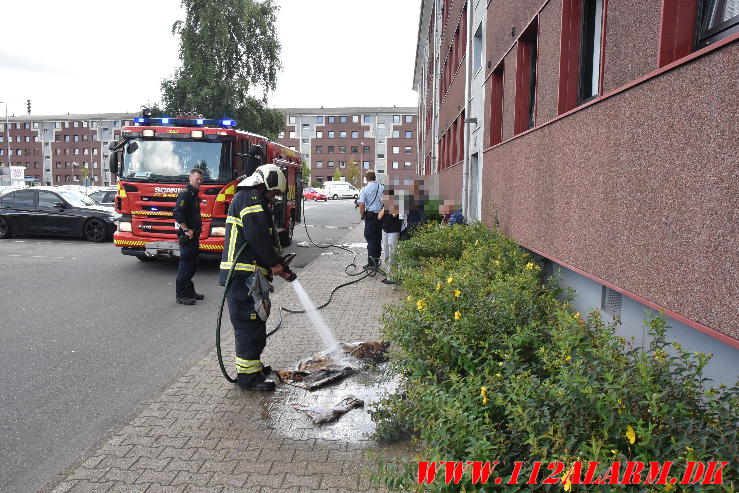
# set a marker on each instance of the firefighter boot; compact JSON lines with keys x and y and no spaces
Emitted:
{"x":185,"y":301}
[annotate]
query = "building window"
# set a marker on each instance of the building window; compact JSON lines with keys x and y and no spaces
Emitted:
{"x":366,"y":134}
{"x":381,"y":125}
{"x":342,"y":119}
{"x":409,"y":118}
{"x":342,"y":134}
{"x":396,"y":118}
{"x":319,"y":164}
{"x":342,"y":149}
{"x":319,"y":135}
{"x":330,"y":164}
{"x":332,"y":119}
{"x":496,"y":105}
{"x":365,"y":148}
{"x":408,"y":134}
{"x":319,"y":179}
{"x":580,"y":54}
{"x":319,"y":149}
{"x":380,"y":155}
{"x":718,"y":19}
{"x":396,"y":164}
{"x":525,"y":112}
{"x":396,"y":134}
{"x":355,"y":118}
{"x":319,"y":119}
{"x":396,"y":149}
{"x":304,"y":141}
{"x":342,"y":164}
{"x":477,"y":45}
{"x":281,"y":135}
{"x":407,"y":165}
{"x":291,"y":119}
{"x":592,"y":23}
{"x":355,"y":134}
{"x":407,"y":149}
{"x":355,"y":149}
{"x":330,"y":149}
{"x":306,"y":125}
{"x":331,"y":134}
{"x":366,"y":164}
{"x":292,"y":134}
{"x":366,"y":119}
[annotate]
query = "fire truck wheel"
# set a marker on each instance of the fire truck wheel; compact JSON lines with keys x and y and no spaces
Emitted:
{"x":286,"y":237}
{"x":94,"y":230}
{"x":4,"y":228}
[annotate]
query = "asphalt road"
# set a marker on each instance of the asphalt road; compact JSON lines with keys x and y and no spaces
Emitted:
{"x":87,"y":334}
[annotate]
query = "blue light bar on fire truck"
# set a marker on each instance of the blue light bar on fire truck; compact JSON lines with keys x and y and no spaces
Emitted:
{"x":183,"y":122}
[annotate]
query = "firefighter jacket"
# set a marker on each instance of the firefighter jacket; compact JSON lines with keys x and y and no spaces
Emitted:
{"x":249,"y":221}
{"x":187,"y":210}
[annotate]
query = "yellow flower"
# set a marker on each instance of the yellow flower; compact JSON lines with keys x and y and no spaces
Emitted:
{"x":484,"y":394}
{"x":500,"y":363}
{"x":530,"y":266}
{"x":449,"y":280}
{"x":409,"y":299}
{"x":630,"y":435}
{"x":438,"y":286}
{"x":497,"y":262}
{"x":457,"y":315}
{"x":568,"y":358}
{"x":576,"y":315}
{"x":457,"y":292}
{"x":421,"y":305}
{"x":497,"y":375}
{"x":614,"y":452}
{"x":567,"y":479}
{"x":669,"y":487}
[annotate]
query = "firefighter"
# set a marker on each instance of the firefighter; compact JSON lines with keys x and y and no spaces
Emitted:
{"x":249,"y":220}
{"x":189,"y":225}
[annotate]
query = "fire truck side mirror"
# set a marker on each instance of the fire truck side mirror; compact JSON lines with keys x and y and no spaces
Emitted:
{"x":114,"y":162}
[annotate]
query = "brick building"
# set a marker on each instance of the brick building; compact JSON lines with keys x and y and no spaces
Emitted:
{"x":55,"y":149}
{"x":601,"y":136}
{"x":331,"y":139}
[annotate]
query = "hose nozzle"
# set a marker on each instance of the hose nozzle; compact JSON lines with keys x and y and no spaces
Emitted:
{"x":285,"y":262}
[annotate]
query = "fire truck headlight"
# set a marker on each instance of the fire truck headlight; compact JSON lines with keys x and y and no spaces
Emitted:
{"x":124,"y":227}
{"x":196,"y":134}
{"x":218,"y":231}
{"x":148,"y":132}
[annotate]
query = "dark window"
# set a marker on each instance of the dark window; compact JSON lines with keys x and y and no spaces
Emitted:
{"x":718,"y":19}
{"x":319,"y":149}
{"x":47,"y":199}
{"x":23,"y":198}
{"x":496,"y":106}
{"x":330,"y":149}
{"x":526,"y":80}
{"x":365,"y":149}
{"x":592,"y":15}
{"x":355,"y":149}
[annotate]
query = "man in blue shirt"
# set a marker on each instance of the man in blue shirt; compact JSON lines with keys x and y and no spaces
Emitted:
{"x":370,"y":205}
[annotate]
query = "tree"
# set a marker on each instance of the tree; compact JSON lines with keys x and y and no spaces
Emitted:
{"x":353,"y":174}
{"x":305,"y":171}
{"x":229,"y":51}
{"x":337,"y":175}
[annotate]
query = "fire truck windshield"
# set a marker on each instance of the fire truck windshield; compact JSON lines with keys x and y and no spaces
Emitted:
{"x":172,"y":160}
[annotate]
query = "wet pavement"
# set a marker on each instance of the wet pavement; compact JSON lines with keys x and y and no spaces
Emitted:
{"x":204,"y":434}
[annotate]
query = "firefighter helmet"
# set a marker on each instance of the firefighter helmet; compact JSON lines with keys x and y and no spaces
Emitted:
{"x":269,"y":175}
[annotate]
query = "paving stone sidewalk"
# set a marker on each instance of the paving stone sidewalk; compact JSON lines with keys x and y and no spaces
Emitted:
{"x":204,"y":434}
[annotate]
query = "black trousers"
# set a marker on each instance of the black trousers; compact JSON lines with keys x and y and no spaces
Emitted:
{"x":373,"y":235}
{"x":187,"y":267}
{"x":250,"y":332}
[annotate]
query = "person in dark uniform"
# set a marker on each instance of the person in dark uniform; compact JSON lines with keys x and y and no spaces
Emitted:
{"x":250,"y":221}
{"x":189,"y":225}
{"x":370,"y":205}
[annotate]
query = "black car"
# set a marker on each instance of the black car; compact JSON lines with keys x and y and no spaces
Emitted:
{"x":55,"y":211}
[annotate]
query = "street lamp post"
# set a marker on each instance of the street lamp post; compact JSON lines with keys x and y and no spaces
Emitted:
{"x":7,"y":133}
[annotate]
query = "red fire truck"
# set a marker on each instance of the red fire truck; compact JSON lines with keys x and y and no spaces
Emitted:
{"x":153,"y":160}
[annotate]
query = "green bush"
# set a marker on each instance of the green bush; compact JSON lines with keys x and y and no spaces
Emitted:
{"x":496,"y":366}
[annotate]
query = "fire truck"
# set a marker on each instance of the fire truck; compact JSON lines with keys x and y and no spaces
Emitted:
{"x":152,"y":162}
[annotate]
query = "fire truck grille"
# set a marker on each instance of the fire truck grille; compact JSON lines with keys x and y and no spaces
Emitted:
{"x":158,"y":227}
{"x":159,"y":199}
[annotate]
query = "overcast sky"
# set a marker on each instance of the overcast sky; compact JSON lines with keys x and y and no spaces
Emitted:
{"x":90,"y":56}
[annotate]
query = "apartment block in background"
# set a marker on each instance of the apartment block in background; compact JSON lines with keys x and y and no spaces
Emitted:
{"x":55,"y":149}
{"x":606,"y":147}
{"x":331,"y":139}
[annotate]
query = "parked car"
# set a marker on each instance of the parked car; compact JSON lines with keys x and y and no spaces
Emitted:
{"x":340,"y":189}
{"x":104,"y":196}
{"x":55,"y":211}
{"x":314,"y":194}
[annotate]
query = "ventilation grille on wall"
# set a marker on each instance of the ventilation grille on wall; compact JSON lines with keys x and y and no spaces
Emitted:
{"x":610,"y":302}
